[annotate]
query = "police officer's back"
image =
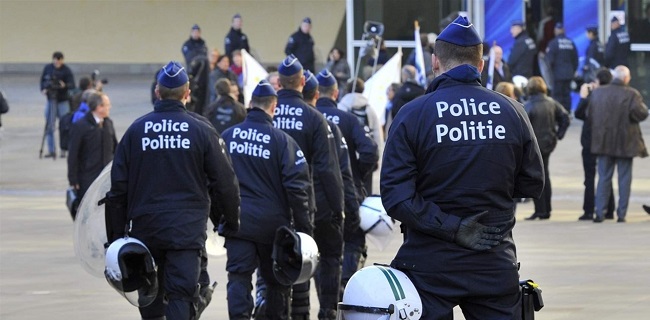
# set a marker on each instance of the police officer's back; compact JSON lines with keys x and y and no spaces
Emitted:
{"x":562,"y":56}
{"x":454,"y":160}
{"x":618,"y":45}
{"x":274,"y":181}
{"x":170,"y":171}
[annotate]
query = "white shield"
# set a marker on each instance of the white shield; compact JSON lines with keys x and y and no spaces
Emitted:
{"x":90,"y":226}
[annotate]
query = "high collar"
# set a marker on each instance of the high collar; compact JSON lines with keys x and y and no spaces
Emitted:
{"x":259,"y":115}
{"x":289,"y":93}
{"x":326,"y":102}
{"x":235,"y":30}
{"x":168,"y":105}
{"x":464,"y":73}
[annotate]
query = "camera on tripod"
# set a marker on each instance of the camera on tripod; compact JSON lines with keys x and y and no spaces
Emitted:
{"x":95,"y":75}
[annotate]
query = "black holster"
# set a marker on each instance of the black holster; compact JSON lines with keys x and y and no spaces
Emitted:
{"x":531,"y":299}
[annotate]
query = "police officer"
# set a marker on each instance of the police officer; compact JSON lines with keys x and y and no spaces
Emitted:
{"x":522,"y":54}
{"x":363,"y":154}
{"x":301,"y":45}
{"x":170,"y":171}
{"x":274,"y":181}
{"x":309,"y":128}
{"x":562,"y":57}
{"x":328,"y":231}
{"x":618,"y":46}
{"x":194,"y":46}
{"x":595,"y":55}
{"x":454,"y":160}
{"x":235,"y":39}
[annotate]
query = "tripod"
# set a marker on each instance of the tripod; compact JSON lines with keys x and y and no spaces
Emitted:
{"x":372,"y":34}
{"x":50,"y":121}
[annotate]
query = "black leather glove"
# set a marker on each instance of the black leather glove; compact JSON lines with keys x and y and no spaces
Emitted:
{"x":475,"y":236}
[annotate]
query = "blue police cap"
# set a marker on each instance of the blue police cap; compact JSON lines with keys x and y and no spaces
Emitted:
{"x":237,"y":16}
{"x":307,"y":20}
{"x":461,"y":33}
{"x":172,"y":75}
{"x":559,"y":25}
{"x":592,"y":28}
{"x":310,"y":81}
{"x":264,"y":89}
{"x":196,"y":27}
{"x":518,"y":23}
{"x":614,"y":19}
{"x":325,"y":78}
{"x":289,"y":66}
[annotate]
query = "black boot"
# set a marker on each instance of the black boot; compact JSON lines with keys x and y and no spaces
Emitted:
{"x":586,"y":217}
{"x":540,"y":216}
{"x":646,"y":208}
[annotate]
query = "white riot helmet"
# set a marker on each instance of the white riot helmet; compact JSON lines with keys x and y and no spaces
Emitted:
{"x":295,"y":256}
{"x":131,"y":271}
{"x":379,"y":227}
{"x":379,"y":293}
{"x":520,"y":82}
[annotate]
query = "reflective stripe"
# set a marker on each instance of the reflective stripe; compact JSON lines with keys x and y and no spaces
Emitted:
{"x":393,"y":282}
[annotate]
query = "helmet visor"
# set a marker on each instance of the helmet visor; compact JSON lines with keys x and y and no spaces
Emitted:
{"x":351,"y":312}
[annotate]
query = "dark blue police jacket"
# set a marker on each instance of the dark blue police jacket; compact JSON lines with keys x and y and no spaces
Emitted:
{"x":235,"y":40}
{"x":522,"y":57}
{"x":562,"y":56}
{"x":310,"y":130}
{"x":273,"y":178}
{"x":301,"y":45}
{"x":362,"y":149}
{"x":163,"y":168}
{"x":459,"y":150}
{"x":192,"y":48}
{"x":617,"y":49}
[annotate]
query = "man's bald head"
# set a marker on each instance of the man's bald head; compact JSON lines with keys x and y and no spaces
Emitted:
{"x":622,"y":73}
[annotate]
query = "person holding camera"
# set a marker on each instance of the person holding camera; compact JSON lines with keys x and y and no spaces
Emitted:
{"x":56,"y":81}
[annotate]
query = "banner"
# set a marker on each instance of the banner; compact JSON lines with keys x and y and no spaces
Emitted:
{"x":419,"y":58}
{"x":375,"y":87}
{"x":252,"y":72}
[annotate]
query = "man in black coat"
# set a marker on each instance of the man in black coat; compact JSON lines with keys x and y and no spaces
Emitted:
{"x":409,"y":90}
{"x":56,"y":82}
{"x":301,"y":45}
{"x":92,"y":145}
{"x":225,"y":112}
{"x":235,"y":39}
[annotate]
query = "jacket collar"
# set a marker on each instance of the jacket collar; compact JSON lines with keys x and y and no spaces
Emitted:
{"x":168,"y":105}
{"x":463,"y":73}
{"x":259,"y":115}
{"x":326,"y":102}
{"x":289,"y":93}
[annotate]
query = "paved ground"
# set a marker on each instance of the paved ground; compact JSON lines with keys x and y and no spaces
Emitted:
{"x":586,"y":270}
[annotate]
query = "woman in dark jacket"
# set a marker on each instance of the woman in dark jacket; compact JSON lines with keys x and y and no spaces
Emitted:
{"x":550,"y":122}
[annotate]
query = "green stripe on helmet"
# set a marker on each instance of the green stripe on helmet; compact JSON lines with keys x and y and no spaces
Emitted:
{"x":391,"y":282}
{"x":399,"y":285}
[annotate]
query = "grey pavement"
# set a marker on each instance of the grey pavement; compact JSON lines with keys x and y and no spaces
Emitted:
{"x":586,"y":270}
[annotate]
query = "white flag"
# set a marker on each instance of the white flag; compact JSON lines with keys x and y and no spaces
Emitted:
{"x":375,"y":87}
{"x":419,"y":58}
{"x":252,"y":72}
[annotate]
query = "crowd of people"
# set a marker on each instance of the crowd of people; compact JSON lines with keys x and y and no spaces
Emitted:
{"x":303,"y":152}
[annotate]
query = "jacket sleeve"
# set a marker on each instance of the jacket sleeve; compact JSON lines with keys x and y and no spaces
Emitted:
{"x":398,"y":189}
{"x":69,"y":80}
{"x":349,"y":194}
{"x":74,"y":146}
{"x":223,"y":185}
{"x":529,"y":181}
{"x":515,"y":55}
{"x":116,"y":199}
{"x":367,"y":150}
{"x":44,"y":82}
{"x":291,"y":45}
{"x":563,"y":120}
{"x":581,"y":109}
{"x":610,"y":49}
{"x":639,"y":110}
{"x":296,"y":182}
{"x":326,"y":166}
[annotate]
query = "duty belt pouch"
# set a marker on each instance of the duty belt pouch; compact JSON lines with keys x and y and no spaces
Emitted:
{"x":531,"y":299}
